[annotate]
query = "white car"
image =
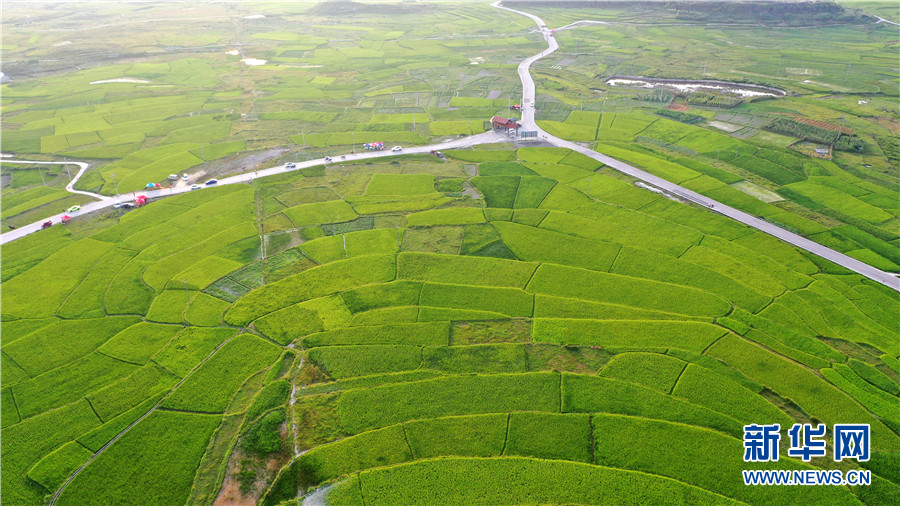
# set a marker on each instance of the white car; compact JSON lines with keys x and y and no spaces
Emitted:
{"x":117,"y":204}
{"x":184,"y":177}
{"x":290,"y":165}
{"x":195,"y":187}
{"x":396,"y":148}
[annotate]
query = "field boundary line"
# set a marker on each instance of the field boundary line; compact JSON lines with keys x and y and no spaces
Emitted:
{"x":102,"y":421}
{"x":106,"y":289}
{"x":83,"y":280}
{"x":560,"y":392}
{"x":359,"y":481}
{"x":593,"y":442}
{"x":506,"y":436}
{"x":406,"y":438}
{"x":536,"y":267}
{"x":190,"y":412}
{"x":675,"y":384}
{"x":119,"y":359}
{"x":17,"y":364}
{"x":613,"y":264}
{"x":16,"y":404}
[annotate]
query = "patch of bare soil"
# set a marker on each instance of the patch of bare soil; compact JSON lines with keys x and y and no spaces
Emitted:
{"x":237,"y":163}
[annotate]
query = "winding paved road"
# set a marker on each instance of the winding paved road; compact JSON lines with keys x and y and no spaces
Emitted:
{"x":106,"y":201}
{"x":528,"y":123}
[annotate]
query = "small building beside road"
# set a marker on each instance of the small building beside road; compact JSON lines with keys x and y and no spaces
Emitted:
{"x":506,"y":125}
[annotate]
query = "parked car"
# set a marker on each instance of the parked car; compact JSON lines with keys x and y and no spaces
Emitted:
{"x":173,"y":177}
{"x":396,"y":148}
{"x":117,"y":204}
{"x":290,"y":165}
{"x":211,"y":181}
{"x":127,"y":205}
{"x":73,"y":209}
{"x":184,"y":177}
{"x":195,"y":187}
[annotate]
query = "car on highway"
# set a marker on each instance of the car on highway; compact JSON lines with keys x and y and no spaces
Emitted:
{"x":73,"y":209}
{"x":290,"y":165}
{"x":396,"y":148}
{"x":195,"y":187}
{"x":211,"y":181}
{"x":117,"y":204}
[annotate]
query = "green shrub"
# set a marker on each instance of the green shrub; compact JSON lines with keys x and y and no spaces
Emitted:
{"x":264,"y":437}
{"x":272,"y":395}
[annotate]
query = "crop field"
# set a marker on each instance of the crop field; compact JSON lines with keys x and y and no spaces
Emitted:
{"x":589,"y":310}
{"x":512,"y":324}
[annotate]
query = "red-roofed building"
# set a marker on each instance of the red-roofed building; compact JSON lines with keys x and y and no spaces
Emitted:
{"x":501,"y":123}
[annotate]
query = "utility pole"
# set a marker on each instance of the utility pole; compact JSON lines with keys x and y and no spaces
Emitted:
{"x":414,"y":122}
{"x":42,"y":176}
{"x":113,"y":176}
{"x":589,"y":187}
{"x":470,"y":127}
{"x":353,"y":134}
{"x":840,"y":131}
{"x":66,"y":165}
{"x":304,"y":138}
{"x":717,"y":158}
{"x":202,"y":155}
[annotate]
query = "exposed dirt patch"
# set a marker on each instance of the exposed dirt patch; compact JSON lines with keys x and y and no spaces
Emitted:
{"x":237,"y":163}
{"x":469,"y":190}
{"x":678,"y":107}
{"x":821,"y":124}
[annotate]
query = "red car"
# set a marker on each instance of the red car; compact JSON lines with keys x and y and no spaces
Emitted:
{"x":46,"y":224}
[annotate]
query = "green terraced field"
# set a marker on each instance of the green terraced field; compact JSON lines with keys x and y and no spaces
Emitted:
{"x":566,"y":337}
{"x":590,"y":321}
